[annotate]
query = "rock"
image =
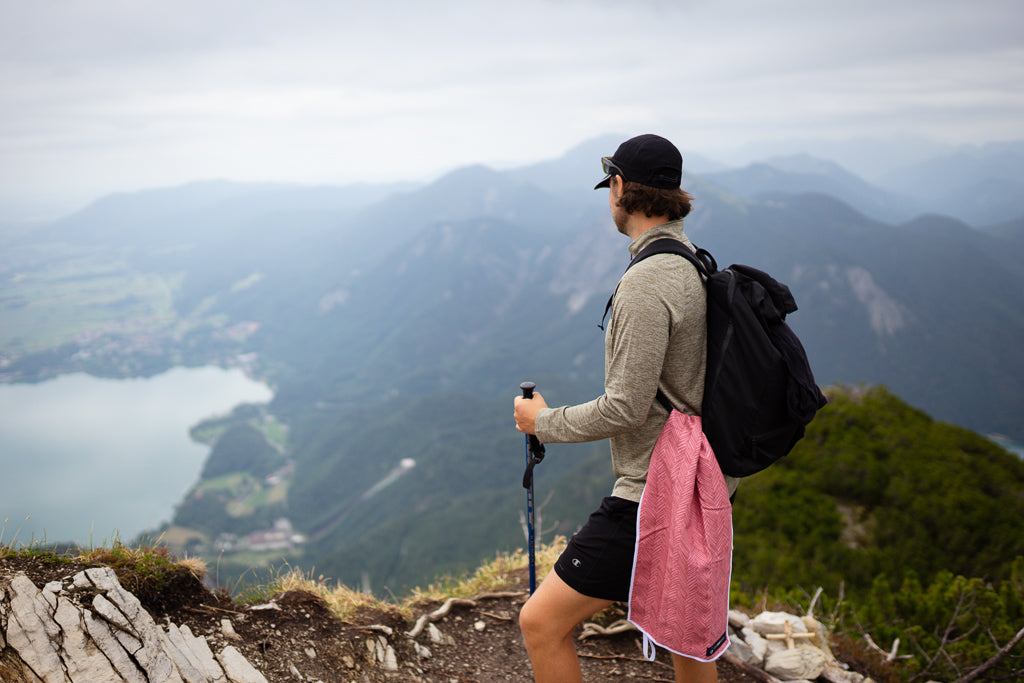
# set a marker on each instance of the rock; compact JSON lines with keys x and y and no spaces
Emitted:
{"x":758,"y":645}
{"x":834,"y":674}
{"x":227,"y":629}
{"x":82,"y":657}
{"x":381,"y":651}
{"x":152,"y":649}
{"x":198,"y":653}
{"x":390,"y":659}
{"x":805,"y":663}
{"x":740,"y":649}
{"x":437,"y":637}
{"x":237,"y":668}
{"x":738,"y":619}
{"x":775,"y":622}
{"x":30,"y":630}
{"x":104,"y":638}
{"x":480,"y":626}
{"x":821,"y":635}
{"x":48,"y":637}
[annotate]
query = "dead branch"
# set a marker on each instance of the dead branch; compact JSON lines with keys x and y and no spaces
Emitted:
{"x":889,"y":656}
{"x":944,"y":639}
{"x":814,"y":600}
{"x":500,"y":617}
{"x":994,"y":659}
{"x":591,"y":629}
{"x":452,"y":602}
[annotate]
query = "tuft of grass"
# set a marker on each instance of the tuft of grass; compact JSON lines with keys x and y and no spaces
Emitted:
{"x":151,"y":560}
{"x":491,"y":576}
{"x":149,"y":564}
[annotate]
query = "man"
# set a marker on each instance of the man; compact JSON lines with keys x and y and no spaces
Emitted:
{"x":656,"y":338}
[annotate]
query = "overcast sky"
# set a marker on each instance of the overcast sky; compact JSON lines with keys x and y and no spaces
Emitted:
{"x":116,"y":95}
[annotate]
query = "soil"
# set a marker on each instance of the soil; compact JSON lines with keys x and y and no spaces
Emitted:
{"x":294,"y":637}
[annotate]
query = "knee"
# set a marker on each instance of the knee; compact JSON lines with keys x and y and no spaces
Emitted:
{"x":537,"y":626}
{"x":531,"y":624}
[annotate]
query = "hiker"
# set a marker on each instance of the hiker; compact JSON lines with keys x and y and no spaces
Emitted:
{"x":655,"y":338}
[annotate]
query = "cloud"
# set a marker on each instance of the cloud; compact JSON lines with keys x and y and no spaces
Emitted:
{"x":98,"y":96}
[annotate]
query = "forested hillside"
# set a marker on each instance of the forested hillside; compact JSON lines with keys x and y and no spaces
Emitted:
{"x":879,"y":487}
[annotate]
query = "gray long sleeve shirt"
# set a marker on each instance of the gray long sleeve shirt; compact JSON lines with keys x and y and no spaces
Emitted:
{"x":656,"y":336}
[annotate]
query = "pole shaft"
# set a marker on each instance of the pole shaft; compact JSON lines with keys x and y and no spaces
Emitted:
{"x":527,"y":388}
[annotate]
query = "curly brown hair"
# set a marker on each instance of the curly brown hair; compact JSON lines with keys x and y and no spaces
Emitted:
{"x":653,"y":201}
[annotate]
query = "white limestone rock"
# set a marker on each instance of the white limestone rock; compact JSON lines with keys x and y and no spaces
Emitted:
{"x":739,"y":648}
{"x":55,"y":640}
{"x":228,"y":630}
{"x":758,"y":645}
{"x":203,"y":655}
{"x":775,"y":622}
{"x":805,"y":663}
{"x":191,"y":670}
{"x":31,"y":631}
{"x":101,"y":634}
{"x":237,"y":668}
{"x":833,"y":673}
{"x":81,"y":656}
{"x":139,"y":634}
{"x":738,"y":620}
{"x":820,"y":636}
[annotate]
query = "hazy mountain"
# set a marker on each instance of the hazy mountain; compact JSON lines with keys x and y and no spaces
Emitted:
{"x":978,"y":184}
{"x":803,"y":173}
{"x":396,"y":323}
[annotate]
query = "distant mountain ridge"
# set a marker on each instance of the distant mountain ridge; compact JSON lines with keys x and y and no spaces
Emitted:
{"x":396,"y":324}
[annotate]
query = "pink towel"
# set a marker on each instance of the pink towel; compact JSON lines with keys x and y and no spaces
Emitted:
{"x":679,"y":593}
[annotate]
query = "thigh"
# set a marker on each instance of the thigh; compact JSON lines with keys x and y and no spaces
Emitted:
{"x":598,"y":560}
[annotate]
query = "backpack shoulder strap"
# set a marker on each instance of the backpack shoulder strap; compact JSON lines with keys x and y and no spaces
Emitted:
{"x":702,"y":260}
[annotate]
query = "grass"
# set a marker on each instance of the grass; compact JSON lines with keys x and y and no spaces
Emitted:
{"x":151,"y":564}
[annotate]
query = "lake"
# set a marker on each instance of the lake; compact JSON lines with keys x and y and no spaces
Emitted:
{"x":88,"y":459}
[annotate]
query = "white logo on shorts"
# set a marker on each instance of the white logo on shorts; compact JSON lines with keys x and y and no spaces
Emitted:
{"x":576,"y":562}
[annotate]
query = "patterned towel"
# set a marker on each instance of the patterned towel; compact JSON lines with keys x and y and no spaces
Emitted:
{"x":679,"y":593}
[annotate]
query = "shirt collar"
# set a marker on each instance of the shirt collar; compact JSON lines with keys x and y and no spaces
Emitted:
{"x":673,"y":229}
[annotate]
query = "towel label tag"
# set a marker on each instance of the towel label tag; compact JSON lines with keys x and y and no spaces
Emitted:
{"x":717,"y":644}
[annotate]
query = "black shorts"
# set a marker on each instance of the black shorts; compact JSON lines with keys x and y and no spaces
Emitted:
{"x":598,"y":561}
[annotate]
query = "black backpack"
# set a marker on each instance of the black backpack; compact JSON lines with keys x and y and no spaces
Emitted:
{"x":759,"y":392}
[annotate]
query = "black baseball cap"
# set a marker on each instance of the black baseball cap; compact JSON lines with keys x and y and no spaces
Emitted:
{"x":646,"y":159}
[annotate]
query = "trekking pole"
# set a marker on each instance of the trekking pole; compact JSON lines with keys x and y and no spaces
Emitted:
{"x":534,"y":454}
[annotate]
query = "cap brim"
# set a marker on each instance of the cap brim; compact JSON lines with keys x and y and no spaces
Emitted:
{"x":607,"y":182}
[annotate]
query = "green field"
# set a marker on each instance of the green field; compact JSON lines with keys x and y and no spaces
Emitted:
{"x":58,"y":294}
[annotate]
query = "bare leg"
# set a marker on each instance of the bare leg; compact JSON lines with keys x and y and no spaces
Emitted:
{"x":691,"y":671}
{"x":547,"y":621}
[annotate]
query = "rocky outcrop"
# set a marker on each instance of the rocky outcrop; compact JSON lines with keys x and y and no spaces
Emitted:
{"x":786,"y":647}
{"x":89,"y":628}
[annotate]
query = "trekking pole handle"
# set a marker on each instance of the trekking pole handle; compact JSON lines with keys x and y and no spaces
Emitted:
{"x":527,"y":388}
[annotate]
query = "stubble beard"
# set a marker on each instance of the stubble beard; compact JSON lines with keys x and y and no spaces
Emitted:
{"x":621,"y":219}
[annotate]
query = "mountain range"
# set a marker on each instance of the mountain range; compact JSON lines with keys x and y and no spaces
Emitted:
{"x":395,"y":323}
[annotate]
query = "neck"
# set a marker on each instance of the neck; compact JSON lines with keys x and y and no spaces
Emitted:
{"x":638,"y":224}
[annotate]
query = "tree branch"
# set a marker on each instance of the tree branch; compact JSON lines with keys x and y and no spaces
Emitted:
{"x":994,"y":659}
